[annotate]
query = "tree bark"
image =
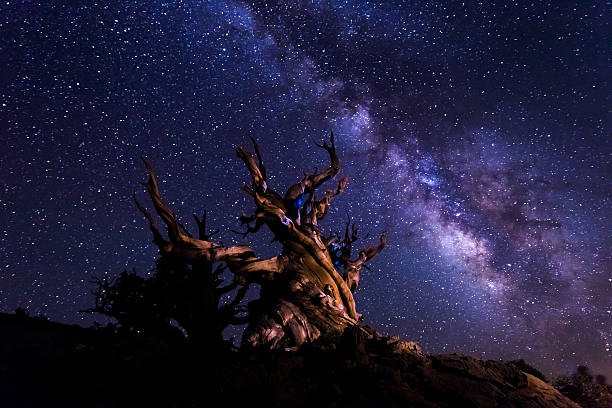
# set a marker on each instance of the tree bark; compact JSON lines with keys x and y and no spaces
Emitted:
{"x":303,"y":294}
{"x":307,"y":290}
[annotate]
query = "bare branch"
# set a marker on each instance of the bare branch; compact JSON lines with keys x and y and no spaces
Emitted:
{"x":259,"y":181}
{"x":227,"y":288}
{"x":201,"y":223}
{"x":352,"y":268}
{"x":334,"y":167}
{"x":218,"y":271}
{"x":185,"y":230}
{"x":262,"y":169}
{"x":320,"y":208}
{"x":371,"y":251}
{"x":258,"y":223}
{"x":259,"y":185}
{"x":181,"y":244}
{"x":229,"y":311}
{"x":310,"y":182}
{"x":239,"y":296}
{"x":158,"y":239}
{"x":164,"y":211}
{"x":202,"y":232}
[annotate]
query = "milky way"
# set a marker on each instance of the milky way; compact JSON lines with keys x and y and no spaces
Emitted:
{"x":477,"y":134}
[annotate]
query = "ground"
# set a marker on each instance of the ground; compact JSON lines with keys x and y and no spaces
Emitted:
{"x":46,"y":364}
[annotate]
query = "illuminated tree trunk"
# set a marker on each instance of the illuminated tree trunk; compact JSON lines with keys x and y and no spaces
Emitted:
{"x":308,"y":289}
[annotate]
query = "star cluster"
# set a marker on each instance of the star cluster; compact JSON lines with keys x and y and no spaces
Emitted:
{"x":477,"y":134}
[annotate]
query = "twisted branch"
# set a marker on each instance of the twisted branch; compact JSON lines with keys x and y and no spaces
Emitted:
{"x":181,"y":244}
{"x":310,"y":182}
{"x":352,"y":268}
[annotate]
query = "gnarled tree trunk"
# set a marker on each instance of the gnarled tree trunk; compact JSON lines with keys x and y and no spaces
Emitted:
{"x":308,"y":289}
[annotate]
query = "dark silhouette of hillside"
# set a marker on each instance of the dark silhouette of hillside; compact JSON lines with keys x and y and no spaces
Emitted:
{"x":46,"y":364}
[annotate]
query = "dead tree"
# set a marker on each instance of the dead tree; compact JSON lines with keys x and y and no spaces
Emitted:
{"x":303,"y":293}
{"x":308,"y":288}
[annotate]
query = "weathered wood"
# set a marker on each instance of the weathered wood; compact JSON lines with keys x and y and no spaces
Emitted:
{"x":180,"y":244}
{"x":352,"y":268}
{"x":303,"y":293}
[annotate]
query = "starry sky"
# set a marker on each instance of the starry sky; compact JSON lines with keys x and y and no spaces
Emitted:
{"x":477,"y":134}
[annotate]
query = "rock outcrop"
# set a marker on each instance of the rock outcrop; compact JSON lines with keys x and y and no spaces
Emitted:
{"x":367,"y":369}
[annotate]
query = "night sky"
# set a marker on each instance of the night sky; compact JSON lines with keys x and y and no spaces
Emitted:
{"x":477,"y":134}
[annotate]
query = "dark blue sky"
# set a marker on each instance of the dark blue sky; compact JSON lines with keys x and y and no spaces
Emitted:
{"x":477,"y":134}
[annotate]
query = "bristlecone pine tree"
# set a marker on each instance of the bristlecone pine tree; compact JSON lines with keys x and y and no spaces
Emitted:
{"x":306,"y":291}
